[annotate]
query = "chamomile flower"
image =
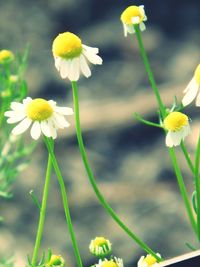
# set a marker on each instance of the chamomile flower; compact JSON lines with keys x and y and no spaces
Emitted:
{"x":131,"y":16}
{"x":177,"y":125}
{"x":148,"y":261}
{"x":193,"y":89}
{"x":44,"y":116}
{"x":116,"y":262}
{"x":100,"y":246}
{"x":71,"y":56}
{"x":6,"y":56}
{"x":56,"y":260}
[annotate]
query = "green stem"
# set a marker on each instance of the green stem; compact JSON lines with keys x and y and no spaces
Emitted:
{"x":197,"y":185}
{"x":182,"y":188}
{"x":138,"y":117}
{"x":65,"y":201}
{"x":148,"y":70}
{"x":42,"y":213}
{"x":93,"y":182}
{"x":187,"y":157}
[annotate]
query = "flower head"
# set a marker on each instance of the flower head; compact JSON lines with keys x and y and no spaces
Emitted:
{"x":71,"y":56}
{"x":116,"y":262}
{"x":131,"y":16}
{"x":177,"y":125}
{"x":56,"y":260}
{"x":192,"y":90}
{"x":148,"y":261}
{"x":6,"y":56}
{"x":45,"y":116}
{"x":100,"y":246}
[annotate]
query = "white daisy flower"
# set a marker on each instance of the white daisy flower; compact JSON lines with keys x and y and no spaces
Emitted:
{"x":116,"y":262}
{"x":177,"y":125}
{"x":100,"y":246}
{"x":148,"y":261}
{"x":44,"y":116}
{"x":193,"y":89}
{"x":71,"y":56}
{"x":133,"y":15}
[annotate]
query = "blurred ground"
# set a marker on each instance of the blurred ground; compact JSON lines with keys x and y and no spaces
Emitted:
{"x":129,"y":160}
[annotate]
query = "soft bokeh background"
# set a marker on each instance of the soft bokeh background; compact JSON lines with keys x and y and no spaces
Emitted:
{"x":129,"y":160}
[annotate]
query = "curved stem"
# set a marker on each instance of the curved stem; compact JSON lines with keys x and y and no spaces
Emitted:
{"x":197,"y":185}
{"x":187,"y":157}
{"x":42,"y":213}
{"x":93,"y":182}
{"x":182,"y":188}
{"x":149,"y":71}
{"x":65,"y":201}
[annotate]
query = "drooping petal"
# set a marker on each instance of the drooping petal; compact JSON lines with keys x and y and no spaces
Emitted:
{"x":176,"y":137}
{"x":45,"y":128}
{"x":142,"y":26}
{"x":94,"y":50}
{"x":84,"y":67}
{"x":22,"y":126}
{"x":168,"y":140}
{"x":198,"y":100}
{"x":190,"y":94}
{"x":60,"y":121}
{"x":52,"y":129}
{"x":35,"y":130}
{"x":64,"y":68}
{"x":74,"y":70}
{"x":93,"y":58}
{"x":57,"y":63}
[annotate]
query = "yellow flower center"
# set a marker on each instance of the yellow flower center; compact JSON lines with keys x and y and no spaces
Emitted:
{"x":67,"y":45}
{"x":109,"y":264}
{"x":99,"y":241}
{"x":150,"y":260}
{"x":130,"y":12}
{"x":175,"y":121}
{"x":39,"y":110}
{"x":197,"y":74}
{"x":6,"y":56}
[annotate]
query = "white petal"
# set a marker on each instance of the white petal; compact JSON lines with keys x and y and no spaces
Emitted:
{"x":94,"y":50}
{"x":17,"y":106}
{"x":35,"y":130}
{"x":60,"y":121}
{"x":64,"y":110}
{"x":57,"y":63}
{"x":130,"y":29}
{"x":45,"y":128}
{"x":190,"y":94}
{"x":125,"y":30}
{"x":22,"y":126}
{"x":142,"y":26}
{"x":135,"y":20}
{"x":27,"y":100}
{"x":168,"y":140}
{"x":186,"y":131}
{"x":74,"y":70}
{"x":84,"y":67}
{"x":64,"y":68}
{"x":52,"y":129}
{"x":190,"y":84}
{"x":16,"y":118}
{"x":176,"y":137}
{"x":198,"y":100}
{"x":93,"y":58}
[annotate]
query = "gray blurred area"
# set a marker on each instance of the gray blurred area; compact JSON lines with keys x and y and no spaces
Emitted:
{"x":129,"y":160}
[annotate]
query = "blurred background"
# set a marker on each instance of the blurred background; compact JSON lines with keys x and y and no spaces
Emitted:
{"x":130,"y":160}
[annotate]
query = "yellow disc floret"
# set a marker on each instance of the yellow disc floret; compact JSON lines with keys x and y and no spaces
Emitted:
{"x":39,"y":110}
{"x":6,"y":56}
{"x":99,"y":241}
{"x":197,"y":74}
{"x":150,"y":260}
{"x":175,"y":121}
{"x":131,"y":12}
{"x":109,"y":264}
{"x":67,"y":45}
